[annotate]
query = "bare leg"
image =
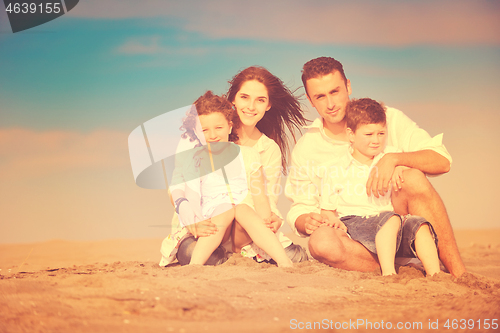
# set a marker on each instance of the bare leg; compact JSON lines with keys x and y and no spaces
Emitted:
{"x":418,"y":197}
{"x":262,"y":236}
{"x":385,"y":241}
{"x":240,"y":237}
{"x":223,"y":216}
{"x":334,"y":248}
{"x":426,"y":250}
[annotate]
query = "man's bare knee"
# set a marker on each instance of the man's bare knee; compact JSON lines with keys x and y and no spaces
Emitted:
{"x":416,"y":183}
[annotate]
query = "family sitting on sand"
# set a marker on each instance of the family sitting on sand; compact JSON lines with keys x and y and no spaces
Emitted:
{"x":357,"y":179}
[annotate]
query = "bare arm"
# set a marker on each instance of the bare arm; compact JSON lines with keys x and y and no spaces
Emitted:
{"x":194,"y":200}
{"x":190,"y":213}
{"x":419,"y":151}
{"x":175,"y":194}
{"x":427,"y":161}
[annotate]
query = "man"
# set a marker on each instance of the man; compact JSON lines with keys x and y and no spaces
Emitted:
{"x":328,"y":90}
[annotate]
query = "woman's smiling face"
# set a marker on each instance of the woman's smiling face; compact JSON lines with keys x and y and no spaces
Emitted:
{"x":251,"y":102}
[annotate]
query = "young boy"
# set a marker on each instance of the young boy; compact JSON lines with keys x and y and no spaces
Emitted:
{"x":370,"y":220}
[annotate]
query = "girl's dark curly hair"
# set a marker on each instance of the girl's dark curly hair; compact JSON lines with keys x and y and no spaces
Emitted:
{"x":207,"y":104}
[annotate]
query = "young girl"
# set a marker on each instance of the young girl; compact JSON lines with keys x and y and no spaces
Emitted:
{"x":218,"y":180}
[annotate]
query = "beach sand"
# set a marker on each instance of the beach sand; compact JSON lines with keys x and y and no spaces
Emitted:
{"x":117,"y":286}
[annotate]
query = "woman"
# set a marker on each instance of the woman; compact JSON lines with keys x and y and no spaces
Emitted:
{"x":265,"y":108}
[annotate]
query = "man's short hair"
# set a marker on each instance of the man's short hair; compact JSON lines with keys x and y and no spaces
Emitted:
{"x":364,"y":111}
{"x":319,"y":67}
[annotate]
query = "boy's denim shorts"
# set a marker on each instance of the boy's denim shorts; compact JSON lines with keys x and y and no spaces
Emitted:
{"x":364,"y":230}
{"x":411,"y":223}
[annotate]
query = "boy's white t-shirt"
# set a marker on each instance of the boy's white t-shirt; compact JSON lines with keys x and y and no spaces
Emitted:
{"x":344,"y":188}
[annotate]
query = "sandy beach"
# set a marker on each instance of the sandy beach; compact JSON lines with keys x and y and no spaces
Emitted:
{"x":117,"y":286}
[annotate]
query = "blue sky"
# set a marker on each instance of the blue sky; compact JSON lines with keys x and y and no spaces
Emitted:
{"x":89,"y":72}
{"x":108,"y":66}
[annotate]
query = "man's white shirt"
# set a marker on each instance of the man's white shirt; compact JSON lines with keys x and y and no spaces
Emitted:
{"x":315,"y":153}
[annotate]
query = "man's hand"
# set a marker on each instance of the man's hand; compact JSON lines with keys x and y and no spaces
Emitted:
{"x":273,"y":222}
{"x":202,"y":229}
{"x":312,"y":222}
{"x":381,"y":175}
{"x":397,"y":177}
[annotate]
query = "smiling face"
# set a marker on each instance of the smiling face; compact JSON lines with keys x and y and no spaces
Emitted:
{"x":251,"y":102}
{"x":214,"y":127}
{"x":368,"y":140}
{"x":329,"y":95}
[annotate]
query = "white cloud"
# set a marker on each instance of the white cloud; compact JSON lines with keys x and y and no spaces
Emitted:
{"x":152,"y":45}
{"x":149,"y":45}
{"x":378,"y":23}
{"x":156,"y":45}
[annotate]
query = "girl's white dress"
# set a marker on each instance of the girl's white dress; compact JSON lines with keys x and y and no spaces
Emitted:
{"x":214,"y":191}
{"x":269,"y":157}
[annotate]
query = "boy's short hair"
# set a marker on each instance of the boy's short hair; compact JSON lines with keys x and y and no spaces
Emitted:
{"x":364,"y":111}
{"x":320,"y":67}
